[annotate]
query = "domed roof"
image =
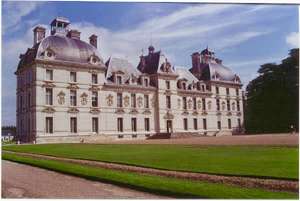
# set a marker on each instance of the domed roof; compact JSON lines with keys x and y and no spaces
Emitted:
{"x":63,"y":49}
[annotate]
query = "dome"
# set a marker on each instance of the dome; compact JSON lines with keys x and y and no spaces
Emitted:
{"x":61,"y":48}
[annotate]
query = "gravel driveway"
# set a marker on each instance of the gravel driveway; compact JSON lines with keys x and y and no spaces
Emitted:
{"x":22,"y":181}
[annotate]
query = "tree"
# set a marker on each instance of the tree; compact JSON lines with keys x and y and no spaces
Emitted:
{"x":273,"y":97}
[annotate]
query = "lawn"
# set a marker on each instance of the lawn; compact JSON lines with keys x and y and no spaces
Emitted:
{"x":259,"y":161}
{"x":160,"y":185}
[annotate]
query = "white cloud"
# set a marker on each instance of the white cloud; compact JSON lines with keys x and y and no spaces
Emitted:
{"x":14,"y":11}
{"x":293,"y":39}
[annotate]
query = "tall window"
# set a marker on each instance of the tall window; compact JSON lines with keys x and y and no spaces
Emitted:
{"x":49,"y":74}
{"x":73,"y":101}
{"x":119,"y":80}
{"x":49,"y":96}
{"x":203,"y":104}
{"x":184,"y":103}
{"x":146,"y":100}
{"x":228,"y":105}
{"x":194,"y":104}
{"x":195,"y":124}
{"x":95,"y":126}
{"x":227,"y":91}
{"x":146,"y":82}
{"x":203,"y":88}
{"x":133,"y":124}
{"x":94,"y":78}
{"x":73,"y":125}
{"x":133,"y":100}
{"x":147,"y":124}
{"x":239,"y":123}
{"x":73,"y":77}
{"x":238,"y":105}
{"x":218,"y":104}
{"x":183,"y":85}
{"x":29,"y":100}
{"x":185,"y":123}
{"x":219,"y":125}
{"x":49,"y":124}
{"x":204,"y":124}
{"x":95,"y":99}
{"x":119,"y":100}
{"x":217,"y":90}
{"x":168,"y":102}
{"x":120,"y":124}
{"x":237,"y":92}
{"x":167,"y":84}
{"x":229,"y":123}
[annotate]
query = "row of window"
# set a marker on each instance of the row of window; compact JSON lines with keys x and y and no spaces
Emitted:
{"x":95,"y":124}
{"x":228,"y":105}
{"x":237,"y":92}
{"x":73,"y":76}
{"x":195,"y":121}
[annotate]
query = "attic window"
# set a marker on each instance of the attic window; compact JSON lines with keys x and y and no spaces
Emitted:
{"x":49,"y":54}
{"x":146,"y":82}
{"x":183,"y":85}
{"x":119,"y":80}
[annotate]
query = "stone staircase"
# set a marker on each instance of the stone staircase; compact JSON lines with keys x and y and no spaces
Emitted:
{"x":185,"y":135}
{"x":160,"y":136}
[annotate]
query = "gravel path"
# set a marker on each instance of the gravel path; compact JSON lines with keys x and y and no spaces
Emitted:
{"x":22,"y":181}
{"x":272,"y":184}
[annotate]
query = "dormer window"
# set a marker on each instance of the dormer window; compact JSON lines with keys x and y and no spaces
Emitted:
{"x":94,"y":79}
{"x":49,"y":74}
{"x":73,"y":77}
{"x":146,"y":82}
{"x":94,"y":59}
{"x":48,"y":54}
{"x":199,"y":86}
{"x":203,"y":87}
{"x":119,"y":79}
{"x":183,"y":85}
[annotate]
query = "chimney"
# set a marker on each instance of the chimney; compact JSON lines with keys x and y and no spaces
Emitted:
{"x":38,"y":34}
{"x":196,"y":60}
{"x":74,"y":34}
{"x":93,"y":40}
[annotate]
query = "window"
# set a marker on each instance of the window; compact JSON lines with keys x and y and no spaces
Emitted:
{"x":204,"y":124}
{"x":146,"y":82}
{"x":95,"y":99}
{"x":185,"y":123}
{"x":94,"y":78}
{"x":119,"y":80}
{"x":73,"y":77}
{"x":217,"y":90}
{"x":147,"y":124}
{"x":73,"y":101}
{"x":184,"y":103}
{"x":49,"y":96}
{"x":228,"y":105}
{"x":119,"y":100}
{"x":238,"y":105}
{"x":95,"y":126}
{"x":133,"y":100}
{"x":194,"y":104}
{"x":227,"y":91}
{"x":21,"y":103}
{"x":29,"y":100}
{"x":237,"y":92}
{"x":195,"y":124}
{"x":49,"y":124}
{"x":168,"y":102}
{"x":229,"y":123}
{"x":167,"y":84}
{"x":219,"y":125}
{"x":73,"y":125}
{"x":203,"y":88}
{"x":239,"y":123}
{"x":133,"y":124}
{"x":203,"y":104}
{"x":218,"y":104}
{"x":146,"y":101}
{"x":120,"y":124}
{"x":49,"y":74}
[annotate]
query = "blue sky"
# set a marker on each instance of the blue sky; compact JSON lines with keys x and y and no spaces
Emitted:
{"x":244,"y":36}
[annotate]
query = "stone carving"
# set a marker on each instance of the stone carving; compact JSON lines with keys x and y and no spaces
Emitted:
{"x":168,"y":115}
{"x":84,"y":98}
{"x":48,"y":110}
{"x":140,"y":101}
{"x":179,"y":103}
{"x":166,"y":67}
{"x":126,"y":101}
{"x":61,"y":98}
{"x":72,"y":86}
{"x":73,"y":110}
{"x":209,"y":105}
{"x":199,"y":104}
{"x":233,"y":106}
{"x":94,"y":110}
{"x":223,"y":105}
{"x":110,"y":100}
{"x":190,"y":103}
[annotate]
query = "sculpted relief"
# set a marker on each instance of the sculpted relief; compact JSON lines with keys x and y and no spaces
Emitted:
{"x":126,"y":101}
{"x":61,"y":98}
{"x":140,"y":101}
{"x":110,"y":100}
{"x":209,"y":105}
{"x":83,"y":98}
{"x":199,"y":104}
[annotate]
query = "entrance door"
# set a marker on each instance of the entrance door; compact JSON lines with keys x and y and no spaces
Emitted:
{"x":169,"y":126}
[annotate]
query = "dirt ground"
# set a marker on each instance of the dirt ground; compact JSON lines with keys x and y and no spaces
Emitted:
{"x":264,"y":139}
{"x":22,"y":181}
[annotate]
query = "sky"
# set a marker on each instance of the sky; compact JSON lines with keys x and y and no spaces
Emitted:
{"x":244,"y":36}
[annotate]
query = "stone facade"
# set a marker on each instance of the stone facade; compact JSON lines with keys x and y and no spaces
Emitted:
{"x":66,"y":93}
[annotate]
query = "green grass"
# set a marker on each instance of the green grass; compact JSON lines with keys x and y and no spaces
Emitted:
{"x":160,"y":185}
{"x":259,"y":161}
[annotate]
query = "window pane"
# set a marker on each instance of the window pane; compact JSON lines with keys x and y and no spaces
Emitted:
{"x":73,"y":76}
{"x":49,"y":96}
{"x":49,"y":74}
{"x":94,"y":78}
{"x":95,"y":99}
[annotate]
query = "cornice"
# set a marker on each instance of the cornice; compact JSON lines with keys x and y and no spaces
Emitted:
{"x":124,"y":87}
